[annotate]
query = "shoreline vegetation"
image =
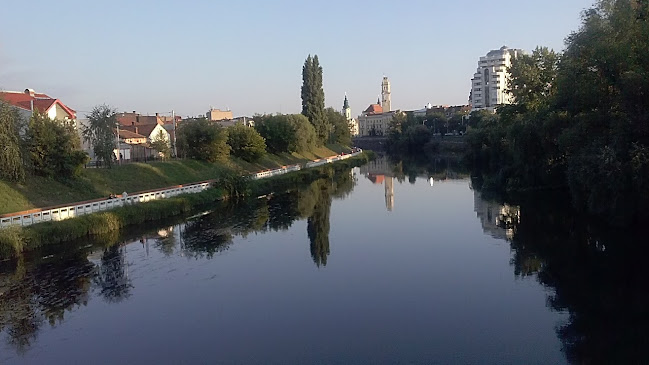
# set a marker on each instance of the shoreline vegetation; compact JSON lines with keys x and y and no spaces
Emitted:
{"x":95,"y":183}
{"x":17,"y":240}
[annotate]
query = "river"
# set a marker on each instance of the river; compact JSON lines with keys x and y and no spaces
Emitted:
{"x":386,"y":263}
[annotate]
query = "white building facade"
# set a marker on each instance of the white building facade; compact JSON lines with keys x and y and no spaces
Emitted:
{"x":489,"y":83}
{"x":353,"y":123}
{"x":375,"y":120}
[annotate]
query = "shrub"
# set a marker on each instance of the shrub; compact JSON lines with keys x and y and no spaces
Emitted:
{"x":246,"y":143}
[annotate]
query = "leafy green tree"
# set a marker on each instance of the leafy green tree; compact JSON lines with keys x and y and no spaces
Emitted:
{"x":100,"y":132}
{"x":201,"y":139}
{"x":161,"y":144}
{"x":286,"y":132}
{"x":54,"y":147}
{"x":532,"y":78}
{"x":313,"y":98}
{"x":11,"y":158}
{"x":580,"y":120}
{"x":246,"y":143}
{"x":340,"y":128}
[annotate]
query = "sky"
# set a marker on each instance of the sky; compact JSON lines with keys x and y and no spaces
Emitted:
{"x":247,"y":56}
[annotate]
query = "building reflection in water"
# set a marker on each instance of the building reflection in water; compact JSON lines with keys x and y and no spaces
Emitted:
{"x":497,"y":220}
{"x":380,"y":171}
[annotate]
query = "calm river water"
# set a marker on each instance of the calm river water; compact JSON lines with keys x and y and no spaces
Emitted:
{"x":382,"y":264}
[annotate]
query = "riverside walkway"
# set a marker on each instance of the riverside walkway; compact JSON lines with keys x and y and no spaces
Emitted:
{"x":71,"y":210}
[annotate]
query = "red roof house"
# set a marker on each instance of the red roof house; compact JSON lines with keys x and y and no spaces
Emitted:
{"x":29,"y":100}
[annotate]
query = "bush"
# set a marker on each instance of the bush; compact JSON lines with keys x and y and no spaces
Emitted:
{"x":286,"y":132}
{"x":54,"y":147}
{"x":246,"y":143}
{"x":202,"y":140}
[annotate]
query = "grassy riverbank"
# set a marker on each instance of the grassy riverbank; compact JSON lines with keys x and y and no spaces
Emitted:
{"x":97,"y":183}
{"x":16,"y":240}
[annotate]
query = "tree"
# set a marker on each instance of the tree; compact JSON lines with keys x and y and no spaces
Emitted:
{"x":313,"y":98}
{"x":161,"y":144}
{"x":532,"y":77}
{"x":100,"y":132}
{"x":246,"y":143}
{"x":54,"y":147}
{"x":202,"y":140}
{"x":286,"y":132}
{"x":11,"y":158}
{"x":340,"y":128}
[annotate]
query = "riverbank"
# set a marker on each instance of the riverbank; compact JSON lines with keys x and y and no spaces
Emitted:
{"x":95,"y":183}
{"x":16,"y":240}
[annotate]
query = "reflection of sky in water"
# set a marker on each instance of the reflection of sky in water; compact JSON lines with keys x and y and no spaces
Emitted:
{"x":416,"y":283}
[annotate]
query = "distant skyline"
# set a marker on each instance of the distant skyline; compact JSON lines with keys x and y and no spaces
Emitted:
{"x":154,"y":56}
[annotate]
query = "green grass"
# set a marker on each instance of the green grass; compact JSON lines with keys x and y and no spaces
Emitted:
{"x":97,"y":183}
{"x":16,"y":240}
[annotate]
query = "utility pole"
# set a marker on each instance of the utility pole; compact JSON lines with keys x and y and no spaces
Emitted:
{"x":118,"y":149}
{"x":173,"y":117}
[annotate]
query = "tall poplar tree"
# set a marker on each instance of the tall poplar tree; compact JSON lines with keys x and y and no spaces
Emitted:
{"x":313,"y":100}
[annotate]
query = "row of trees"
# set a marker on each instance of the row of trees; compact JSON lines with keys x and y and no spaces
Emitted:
{"x":39,"y":146}
{"x":580,"y":119}
{"x":412,"y":134}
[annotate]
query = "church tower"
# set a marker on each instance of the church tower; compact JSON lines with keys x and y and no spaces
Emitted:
{"x":346,"y":109}
{"x":385,"y":93}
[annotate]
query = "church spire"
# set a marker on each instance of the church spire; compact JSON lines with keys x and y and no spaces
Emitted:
{"x":345,"y":103}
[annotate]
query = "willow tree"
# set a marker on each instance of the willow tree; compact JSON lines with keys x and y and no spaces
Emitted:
{"x":100,"y":132}
{"x":11,"y":159}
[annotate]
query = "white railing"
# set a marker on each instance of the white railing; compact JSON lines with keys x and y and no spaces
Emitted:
{"x":29,"y":217}
{"x":77,"y":209}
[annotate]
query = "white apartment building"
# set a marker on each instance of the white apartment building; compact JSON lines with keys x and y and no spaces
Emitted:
{"x":489,"y":83}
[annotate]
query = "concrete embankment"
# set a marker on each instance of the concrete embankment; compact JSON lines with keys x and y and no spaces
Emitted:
{"x":15,"y":240}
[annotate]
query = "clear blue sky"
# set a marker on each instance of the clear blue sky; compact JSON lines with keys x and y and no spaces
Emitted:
{"x":154,"y":56}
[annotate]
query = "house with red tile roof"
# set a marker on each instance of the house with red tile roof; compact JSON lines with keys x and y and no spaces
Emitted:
{"x":28,"y":101}
{"x":150,"y":131}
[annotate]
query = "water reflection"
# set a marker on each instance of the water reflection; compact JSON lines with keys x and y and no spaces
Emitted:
{"x":497,"y":220}
{"x":33,"y":292}
{"x":597,"y":275}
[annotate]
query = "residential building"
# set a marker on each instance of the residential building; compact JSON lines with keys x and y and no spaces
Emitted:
{"x":489,"y":83}
{"x":136,"y":119}
{"x":375,"y":120}
{"x":150,"y":131}
{"x":130,"y":137}
{"x":218,"y":114}
{"x":353,"y":123}
{"x":28,"y":101}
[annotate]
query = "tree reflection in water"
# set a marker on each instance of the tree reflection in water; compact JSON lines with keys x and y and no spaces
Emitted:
{"x":38,"y":291}
{"x":597,"y":275}
{"x":112,"y":275}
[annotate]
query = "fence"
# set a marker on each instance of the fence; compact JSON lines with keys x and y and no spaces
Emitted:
{"x":61,"y":212}
{"x":58,"y":213}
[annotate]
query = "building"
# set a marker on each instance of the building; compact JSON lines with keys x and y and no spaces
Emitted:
{"x":28,"y":101}
{"x":375,"y":120}
{"x":353,"y":123}
{"x":489,"y":83}
{"x":137,"y":119}
{"x":129,"y":137}
{"x":150,"y":131}
{"x":214,"y":115}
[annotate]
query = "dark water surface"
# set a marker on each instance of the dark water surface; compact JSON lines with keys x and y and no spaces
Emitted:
{"x":372,"y":266}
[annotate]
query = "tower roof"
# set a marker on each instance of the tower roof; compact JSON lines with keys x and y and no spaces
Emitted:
{"x":345,"y":103}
